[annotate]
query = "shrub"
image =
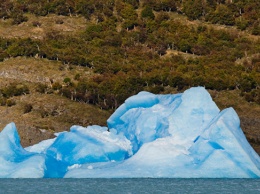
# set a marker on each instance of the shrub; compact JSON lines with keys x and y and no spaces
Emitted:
{"x":14,"y":90}
{"x":21,"y":89}
{"x":162,"y":16}
{"x":19,"y":18}
{"x":249,"y":97}
{"x":41,"y":88}
{"x":27,"y":108}
{"x":3,"y":55}
{"x":77,"y":76}
{"x":256,"y":30}
{"x":22,"y":47}
{"x":156,"y":89}
{"x":193,"y":9}
{"x":36,"y":24}
{"x":247,"y":83}
{"x":66,"y":92}
{"x":2,"y":101}
{"x":67,"y":81}
{"x":241,"y":23}
{"x":10,"y":102}
{"x":56,"y":86}
{"x":148,"y":13}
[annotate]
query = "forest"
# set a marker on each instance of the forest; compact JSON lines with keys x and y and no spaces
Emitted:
{"x":134,"y":45}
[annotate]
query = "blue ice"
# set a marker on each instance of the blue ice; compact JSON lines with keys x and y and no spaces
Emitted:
{"x":175,"y":136}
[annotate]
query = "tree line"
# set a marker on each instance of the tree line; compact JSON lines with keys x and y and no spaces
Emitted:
{"x":240,"y":13}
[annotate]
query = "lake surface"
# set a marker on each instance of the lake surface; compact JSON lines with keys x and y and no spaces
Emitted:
{"x":129,"y":186}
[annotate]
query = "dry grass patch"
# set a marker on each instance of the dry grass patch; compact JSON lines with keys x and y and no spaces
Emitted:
{"x":170,"y":53}
{"x":37,"y":27}
{"x":39,"y":70}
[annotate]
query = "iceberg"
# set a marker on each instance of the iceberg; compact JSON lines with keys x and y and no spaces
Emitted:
{"x":16,"y":162}
{"x":171,"y":136}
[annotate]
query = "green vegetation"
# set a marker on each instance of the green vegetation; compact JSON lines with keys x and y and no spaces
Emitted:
{"x":124,"y":42}
{"x":131,"y":45}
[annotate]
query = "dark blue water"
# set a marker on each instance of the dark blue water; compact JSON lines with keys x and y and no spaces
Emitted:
{"x":144,"y":185}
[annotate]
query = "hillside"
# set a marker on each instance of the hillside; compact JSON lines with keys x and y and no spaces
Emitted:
{"x":41,"y":111}
{"x":69,"y":62}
